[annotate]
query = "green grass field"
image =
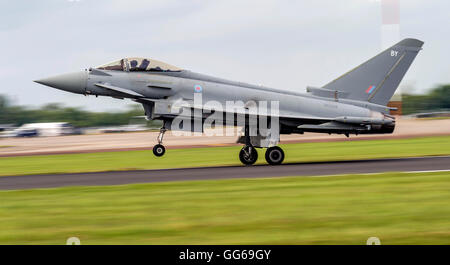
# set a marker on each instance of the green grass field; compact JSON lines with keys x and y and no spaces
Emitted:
{"x":213,"y":156}
{"x":398,"y":208}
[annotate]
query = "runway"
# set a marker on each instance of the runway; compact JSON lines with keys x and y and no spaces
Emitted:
{"x":229,"y":172}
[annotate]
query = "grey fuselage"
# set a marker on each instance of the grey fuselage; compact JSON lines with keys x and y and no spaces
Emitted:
{"x":159,"y":90}
{"x":170,"y":86}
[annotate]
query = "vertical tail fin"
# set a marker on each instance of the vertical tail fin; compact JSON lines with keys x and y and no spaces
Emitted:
{"x":377,"y":79}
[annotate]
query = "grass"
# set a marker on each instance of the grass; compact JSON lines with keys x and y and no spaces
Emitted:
{"x":398,"y":208}
{"x":213,"y":156}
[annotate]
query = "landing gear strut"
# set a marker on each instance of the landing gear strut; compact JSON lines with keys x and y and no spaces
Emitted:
{"x":159,"y":149}
{"x":248,"y":154}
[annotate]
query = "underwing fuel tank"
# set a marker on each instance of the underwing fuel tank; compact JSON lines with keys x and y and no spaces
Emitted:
{"x":365,"y":120}
{"x":376,"y":124}
{"x":352,"y":125}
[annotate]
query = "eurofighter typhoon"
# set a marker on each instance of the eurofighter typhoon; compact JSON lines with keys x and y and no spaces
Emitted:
{"x":186,"y":101}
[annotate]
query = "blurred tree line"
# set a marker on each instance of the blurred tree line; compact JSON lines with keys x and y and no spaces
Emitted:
{"x":18,"y":115}
{"x":437,"y":99}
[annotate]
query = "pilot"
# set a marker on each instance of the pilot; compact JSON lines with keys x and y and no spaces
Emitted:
{"x":144,"y":64}
{"x":133,"y":65}
{"x":157,"y":68}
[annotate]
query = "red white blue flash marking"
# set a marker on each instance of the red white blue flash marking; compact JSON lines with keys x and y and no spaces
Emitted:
{"x":370,"y":89}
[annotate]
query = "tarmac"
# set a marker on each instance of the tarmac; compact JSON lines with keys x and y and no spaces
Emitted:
{"x":417,"y":164}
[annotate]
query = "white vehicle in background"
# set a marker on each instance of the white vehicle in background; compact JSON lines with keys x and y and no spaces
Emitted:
{"x":7,"y":130}
{"x":47,"y":128}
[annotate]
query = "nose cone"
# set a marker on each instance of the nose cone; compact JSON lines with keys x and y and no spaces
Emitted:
{"x":71,"y":82}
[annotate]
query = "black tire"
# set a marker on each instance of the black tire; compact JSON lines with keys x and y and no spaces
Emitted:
{"x":274,"y":155}
{"x":159,"y":150}
{"x":248,"y":155}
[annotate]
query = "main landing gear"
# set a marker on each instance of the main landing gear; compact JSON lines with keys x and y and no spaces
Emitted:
{"x":274,"y":155}
{"x":248,"y":154}
{"x":159,"y":149}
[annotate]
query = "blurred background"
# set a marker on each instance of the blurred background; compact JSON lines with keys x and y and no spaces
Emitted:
{"x":284,"y":44}
{"x":281,"y":44}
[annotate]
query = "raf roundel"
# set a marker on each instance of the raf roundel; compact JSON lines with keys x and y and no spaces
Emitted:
{"x":198,"y":88}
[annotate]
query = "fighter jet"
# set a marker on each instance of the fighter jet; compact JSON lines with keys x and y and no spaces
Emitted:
{"x":354,"y":103}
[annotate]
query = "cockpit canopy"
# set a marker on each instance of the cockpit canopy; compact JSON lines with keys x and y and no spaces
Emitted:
{"x":138,"y":64}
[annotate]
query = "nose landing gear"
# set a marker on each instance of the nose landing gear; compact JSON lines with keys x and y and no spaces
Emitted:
{"x":159,"y":149}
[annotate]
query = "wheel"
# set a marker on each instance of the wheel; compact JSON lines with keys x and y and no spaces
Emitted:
{"x":159,"y":150}
{"x":248,"y":155}
{"x":274,"y":155}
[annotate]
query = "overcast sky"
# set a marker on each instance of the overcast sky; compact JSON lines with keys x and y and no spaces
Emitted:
{"x":284,"y":44}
